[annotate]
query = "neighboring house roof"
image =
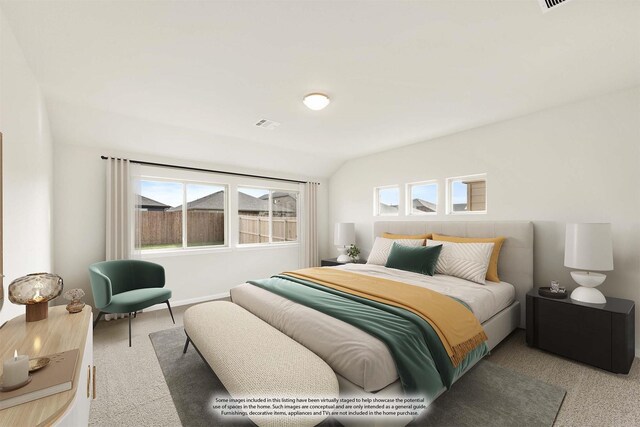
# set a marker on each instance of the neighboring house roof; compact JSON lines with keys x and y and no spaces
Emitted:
{"x":146,"y":202}
{"x":284,"y":202}
{"x":423,"y":205}
{"x":388,"y":209}
{"x":459,"y":207}
{"x":247,"y":203}
{"x":277,"y":195}
{"x":215,"y":201}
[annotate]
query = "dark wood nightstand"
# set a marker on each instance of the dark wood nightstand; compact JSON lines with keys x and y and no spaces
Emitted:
{"x":602,"y":335}
{"x":330,"y":262}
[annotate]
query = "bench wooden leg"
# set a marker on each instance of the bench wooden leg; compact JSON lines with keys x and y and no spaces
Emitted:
{"x":186,"y":345}
{"x":130,"y":316}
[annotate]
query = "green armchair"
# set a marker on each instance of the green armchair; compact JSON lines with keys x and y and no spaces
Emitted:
{"x":126,"y":286}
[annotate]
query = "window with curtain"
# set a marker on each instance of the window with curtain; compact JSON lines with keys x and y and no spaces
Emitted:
{"x":179,"y":215}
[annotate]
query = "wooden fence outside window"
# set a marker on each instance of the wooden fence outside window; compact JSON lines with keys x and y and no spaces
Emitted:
{"x":163,"y":229}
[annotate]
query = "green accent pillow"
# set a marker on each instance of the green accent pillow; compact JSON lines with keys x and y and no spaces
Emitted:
{"x":420,"y":259}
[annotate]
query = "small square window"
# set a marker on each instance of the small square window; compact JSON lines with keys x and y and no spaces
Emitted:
{"x":386,"y":201}
{"x":423,"y":198}
{"x":467,"y":194}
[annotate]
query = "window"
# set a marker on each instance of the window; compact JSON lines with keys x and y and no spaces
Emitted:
{"x":386,"y":201}
{"x":423,"y":198}
{"x":267,"y":216}
{"x":467,"y":194}
{"x":165,"y":222}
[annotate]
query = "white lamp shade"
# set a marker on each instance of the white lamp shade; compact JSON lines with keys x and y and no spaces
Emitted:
{"x":588,"y":247}
{"x":345,"y":234}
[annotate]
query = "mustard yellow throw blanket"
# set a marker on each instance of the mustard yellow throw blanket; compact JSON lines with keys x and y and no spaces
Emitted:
{"x":456,"y":326}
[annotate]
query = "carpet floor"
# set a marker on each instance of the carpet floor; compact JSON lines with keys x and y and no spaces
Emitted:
{"x":131,"y":389}
{"x":487,"y":395}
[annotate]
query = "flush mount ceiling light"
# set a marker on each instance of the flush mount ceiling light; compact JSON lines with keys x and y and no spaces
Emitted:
{"x":316,"y":101}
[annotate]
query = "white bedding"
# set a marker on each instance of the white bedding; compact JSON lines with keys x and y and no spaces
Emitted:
{"x":357,"y":356}
{"x":484,"y":300}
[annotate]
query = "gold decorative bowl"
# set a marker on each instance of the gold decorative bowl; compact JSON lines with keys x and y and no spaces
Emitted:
{"x":38,"y":363}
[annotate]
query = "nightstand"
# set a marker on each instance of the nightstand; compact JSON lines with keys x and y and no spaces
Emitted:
{"x":330,"y":262}
{"x":602,"y":335}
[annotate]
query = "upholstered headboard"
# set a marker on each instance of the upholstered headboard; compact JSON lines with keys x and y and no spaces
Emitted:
{"x":515,"y":264}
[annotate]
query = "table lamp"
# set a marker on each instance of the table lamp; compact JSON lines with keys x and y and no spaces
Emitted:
{"x":35,"y":291}
{"x":588,"y":247}
{"x":344,"y":236}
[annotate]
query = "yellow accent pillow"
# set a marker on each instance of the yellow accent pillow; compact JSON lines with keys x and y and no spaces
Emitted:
{"x":492,"y":271}
{"x":407,"y":236}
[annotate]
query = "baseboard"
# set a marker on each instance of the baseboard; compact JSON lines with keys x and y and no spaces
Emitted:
{"x":178,"y":303}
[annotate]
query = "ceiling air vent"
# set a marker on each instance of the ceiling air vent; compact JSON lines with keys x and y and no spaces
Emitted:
{"x":267,"y":124}
{"x":547,"y":5}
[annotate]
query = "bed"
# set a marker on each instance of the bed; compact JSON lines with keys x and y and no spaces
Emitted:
{"x":363,"y":363}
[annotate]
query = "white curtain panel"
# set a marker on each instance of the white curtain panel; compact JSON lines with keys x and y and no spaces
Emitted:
{"x":309,"y":256}
{"x":135,"y":199}
{"x":119,"y":210}
{"x":121,"y":199}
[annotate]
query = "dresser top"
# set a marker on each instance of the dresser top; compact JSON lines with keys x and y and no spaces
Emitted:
{"x":61,"y":331}
{"x":613,"y":305}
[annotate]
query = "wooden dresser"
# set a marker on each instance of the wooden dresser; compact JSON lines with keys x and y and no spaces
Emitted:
{"x":61,"y":331}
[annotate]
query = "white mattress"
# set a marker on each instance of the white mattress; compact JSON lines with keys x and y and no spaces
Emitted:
{"x":484,"y":300}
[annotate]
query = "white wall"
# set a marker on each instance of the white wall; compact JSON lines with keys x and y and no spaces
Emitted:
{"x":27,"y":164}
{"x":575,"y":163}
{"x":80,"y":229}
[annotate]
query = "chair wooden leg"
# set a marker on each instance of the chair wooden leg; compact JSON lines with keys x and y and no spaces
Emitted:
{"x":95,"y":322}
{"x":130,"y":315}
{"x":186,"y":345}
{"x":170,"y":312}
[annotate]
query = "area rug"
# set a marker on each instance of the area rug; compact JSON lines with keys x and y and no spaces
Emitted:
{"x":487,"y":395}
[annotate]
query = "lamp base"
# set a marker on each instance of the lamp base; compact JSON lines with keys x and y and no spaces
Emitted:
{"x":587,"y":291}
{"x":342,"y":255}
{"x":343,"y":259}
{"x":588,"y":295}
{"x":39,"y":311}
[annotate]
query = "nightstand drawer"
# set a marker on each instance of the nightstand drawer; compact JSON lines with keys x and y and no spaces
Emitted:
{"x":578,"y":333}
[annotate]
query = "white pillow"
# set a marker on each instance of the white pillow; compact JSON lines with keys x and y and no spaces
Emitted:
{"x":468,"y":261}
{"x":382,"y":248}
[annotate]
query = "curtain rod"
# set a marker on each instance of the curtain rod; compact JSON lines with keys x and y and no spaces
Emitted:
{"x":248,"y":175}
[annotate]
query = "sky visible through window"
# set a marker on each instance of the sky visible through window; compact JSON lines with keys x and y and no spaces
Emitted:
{"x":389,"y":196}
{"x":459,"y":192}
{"x":170,"y":193}
{"x":197,"y":191}
{"x":428,"y":192}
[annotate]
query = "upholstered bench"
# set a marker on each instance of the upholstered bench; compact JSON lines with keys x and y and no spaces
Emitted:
{"x":253,"y":359}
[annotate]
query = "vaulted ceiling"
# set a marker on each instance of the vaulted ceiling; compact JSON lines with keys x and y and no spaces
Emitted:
{"x":190,"y":79}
